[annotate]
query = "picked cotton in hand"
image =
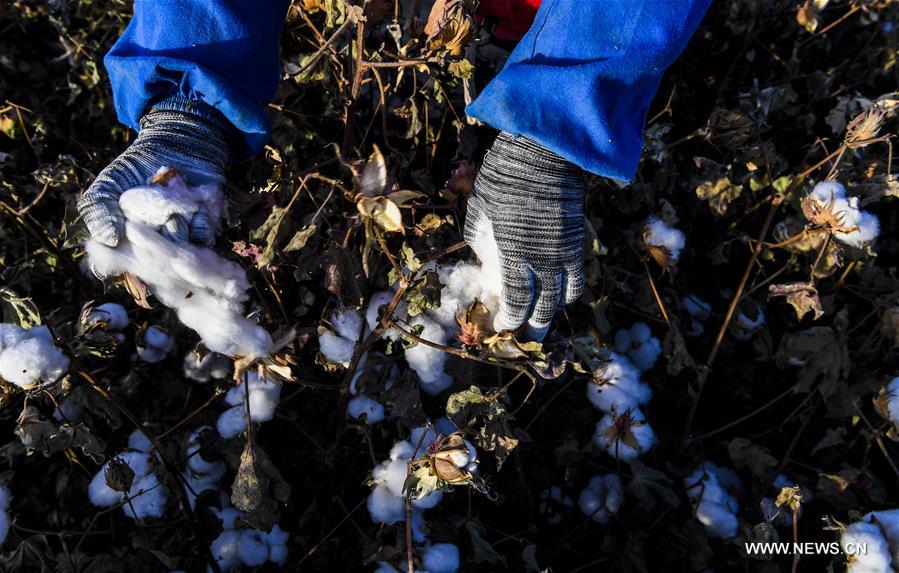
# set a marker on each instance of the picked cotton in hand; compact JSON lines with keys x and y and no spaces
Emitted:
{"x":206,"y":291}
{"x":29,"y":357}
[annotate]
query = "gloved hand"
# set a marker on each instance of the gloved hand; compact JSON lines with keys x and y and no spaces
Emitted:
{"x":177,"y":132}
{"x":532,"y":202}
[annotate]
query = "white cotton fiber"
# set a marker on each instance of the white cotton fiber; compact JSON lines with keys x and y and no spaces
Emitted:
{"x":203,"y":368}
{"x":428,"y":362}
{"x":386,"y":503}
{"x":876,"y":556}
{"x":371,"y":408}
{"x":620,"y":387}
{"x":4,"y":513}
{"x":147,"y":498}
{"x":200,"y":467}
{"x":252,"y":548}
{"x":714,"y":507}
{"x":114,"y":315}
{"x":658,"y":234}
{"x":206,"y":291}
{"x":746,"y":325}
{"x":864,"y":225}
{"x":264,"y":396}
{"x":347,"y":324}
{"x":225,"y":550}
{"x":440,"y":558}
{"x":276,"y":539}
{"x":385,"y":567}
{"x":639,"y":345}
{"x":139,"y":441}
{"x":101,"y":494}
{"x":602,"y":498}
{"x":892,"y":400}
{"x":553,"y":502}
{"x":624,"y":441}
{"x":228,"y":516}
{"x":336,"y":349}
{"x":29,"y":357}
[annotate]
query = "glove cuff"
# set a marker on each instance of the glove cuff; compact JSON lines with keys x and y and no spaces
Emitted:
{"x":526,"y":151}
{"x":195,"y":108}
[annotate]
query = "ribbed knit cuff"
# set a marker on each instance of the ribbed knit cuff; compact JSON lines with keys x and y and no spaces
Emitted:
{"x":196,"y":108}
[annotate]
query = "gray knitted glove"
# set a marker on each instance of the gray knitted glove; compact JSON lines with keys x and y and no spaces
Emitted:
{"x":532,"y":202}
{"x":177,"y":132}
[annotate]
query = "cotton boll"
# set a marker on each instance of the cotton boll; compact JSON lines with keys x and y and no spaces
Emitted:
{"x":252,"y":550}
{"x":212,"y":471}
{"x":276,"y":540}
{"x":428,"y":362}
{"x":224,"y":550}
{"x":749,"y":320}
{"x":101,"y":494}
{"x":139,"y":441}
{"x":147,"y":498}
{"x":205,"y":368}
{"x":714,"y":507}
{"x":154,"y":344}
{"x":441,"y":558}
{"x":624,"y":436}
{"x":601,"y":498}
{"x":658,"y":234}
{"x":28,"y":357}
{"x":385,"y":507}
{"x":336,"y":348}
{"x":378,"y":300}
{"x":865,"y":226}
{"x":553,"y":502}
{"x":363,"y":405}
{"x":645,"y":355}
{"x":264,"y":398}
{"x":385,"y":567}
{"x":347,"y":324}
{"x":877,"y":556}
{"x":229,"y":517}
{"x":5,"y":498}
{"x":617,"y":385}
{"x":232,"y":422}
{"x":114,"y":315}
{"x":699,"y":311}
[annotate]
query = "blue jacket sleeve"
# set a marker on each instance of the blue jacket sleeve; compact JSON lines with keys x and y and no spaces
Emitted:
{"x":222,"y":52}
{"x":581,"y":80}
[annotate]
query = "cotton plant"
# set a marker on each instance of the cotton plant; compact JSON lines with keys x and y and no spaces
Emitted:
{"x":638,"y":343}
{"x":264,"y":395}
{"x":29,"y":357}
{"x":554,"y":503}
{"x":207,"y":292}
{"x":828,"y":205}
{"x":602,"y":498}
{"x":111,"y":315}
{"x":146,"y":495}
{"x":365,"y":406}
{"x":662,"y":242}
{"x":714,"y":507}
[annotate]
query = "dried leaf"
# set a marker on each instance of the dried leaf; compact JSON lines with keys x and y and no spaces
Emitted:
{"x":803,"y":297}
{"x":485,"y":420}
{"x":299,"y":239}
{"x":382,"y":211}
{"x":259,"y":489}
{"x":137,"y":289}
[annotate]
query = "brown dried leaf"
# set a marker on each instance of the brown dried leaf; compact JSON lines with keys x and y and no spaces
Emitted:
{"x":137,"y":289}
{"x":384,"y":212}
{"x":803,"y":297}
{"x":259,"y":488}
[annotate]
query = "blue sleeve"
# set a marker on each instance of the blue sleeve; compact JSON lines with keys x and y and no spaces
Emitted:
{"x":222,"y":52}
{"x":581,"y":80}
